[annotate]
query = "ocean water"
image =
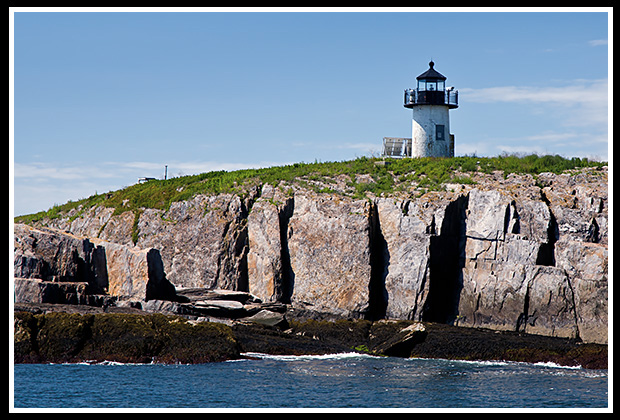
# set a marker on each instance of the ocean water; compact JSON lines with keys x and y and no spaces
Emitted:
{"x":331,"y":381}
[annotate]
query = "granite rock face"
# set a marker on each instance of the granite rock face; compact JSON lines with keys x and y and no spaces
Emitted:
{"x":202,"y":241}
{"x":299,"y":241}
{"x":58,"y":267}
{"x":513,"y":253}
{"x":268,"y":258}
{"x":329,"y":245}
{"x":520,"y":271}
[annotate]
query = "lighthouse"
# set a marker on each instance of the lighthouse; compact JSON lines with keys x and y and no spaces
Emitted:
{"x":430,"y":103}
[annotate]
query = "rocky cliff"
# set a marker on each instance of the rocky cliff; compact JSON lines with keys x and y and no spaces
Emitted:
{"x":515,"y":253}
{"x":58,"y":267}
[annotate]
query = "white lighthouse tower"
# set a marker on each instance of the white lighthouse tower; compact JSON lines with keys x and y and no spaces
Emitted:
{"x":430,"y":103}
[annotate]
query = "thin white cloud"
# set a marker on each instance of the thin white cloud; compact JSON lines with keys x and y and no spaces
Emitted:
{"x":568,"y":144}
{"x":50,"y":171}
{"x":41,"y":185}
{"x":552,"y":137}
{"x":361,"y":146}
{"x":209,"y":166}
{"x":580,"y":108}
{"x":588,"y":92}
{"x":136,"y":165}
{"x":480,"y":148}
{"x":597,"y":42}
{"x":356,"y":146}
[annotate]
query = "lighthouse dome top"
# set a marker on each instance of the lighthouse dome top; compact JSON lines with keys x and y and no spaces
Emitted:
{"x":431,"y":73}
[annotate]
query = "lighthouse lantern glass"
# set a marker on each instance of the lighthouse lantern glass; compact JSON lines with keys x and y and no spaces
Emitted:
{"x":425,"y":85}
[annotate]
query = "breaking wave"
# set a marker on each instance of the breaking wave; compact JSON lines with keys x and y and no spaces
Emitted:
{"x":332,"y":356}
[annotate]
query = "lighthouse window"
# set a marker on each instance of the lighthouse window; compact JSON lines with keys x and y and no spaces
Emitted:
{"x":439,"y":132}
{"x":431,"y":85}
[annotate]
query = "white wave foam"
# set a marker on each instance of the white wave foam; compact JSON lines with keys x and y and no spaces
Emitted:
{"x":486,"y":362}
{"x":332,"y":356}
{"x":555,"y":365}
{"x":114,"y":363}
{"x":103,"y":363}
{"x":504,"y":363}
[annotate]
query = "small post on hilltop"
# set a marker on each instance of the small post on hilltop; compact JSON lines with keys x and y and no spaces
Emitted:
{"x":166,"y":173}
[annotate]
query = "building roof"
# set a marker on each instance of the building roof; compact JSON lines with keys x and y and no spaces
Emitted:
{"x":431,"y":73}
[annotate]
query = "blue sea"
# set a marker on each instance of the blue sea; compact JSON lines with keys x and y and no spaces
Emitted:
{"x":331,"y":381}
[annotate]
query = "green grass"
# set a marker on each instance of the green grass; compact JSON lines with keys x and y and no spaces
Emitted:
{"x":428,"y":173}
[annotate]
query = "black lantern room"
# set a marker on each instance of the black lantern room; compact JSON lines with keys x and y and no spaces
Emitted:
{"x":431,"y":90}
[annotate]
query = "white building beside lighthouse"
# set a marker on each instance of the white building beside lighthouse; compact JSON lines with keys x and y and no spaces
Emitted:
{"x":430,"y":102}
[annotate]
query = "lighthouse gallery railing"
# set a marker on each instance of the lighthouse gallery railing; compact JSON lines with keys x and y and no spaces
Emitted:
{"x":431,"y":97}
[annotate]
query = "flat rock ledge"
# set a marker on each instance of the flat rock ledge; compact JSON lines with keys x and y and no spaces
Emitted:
{"x":55,"y":333}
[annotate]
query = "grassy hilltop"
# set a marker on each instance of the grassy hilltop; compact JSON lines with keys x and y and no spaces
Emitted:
{"x":361,"y":176}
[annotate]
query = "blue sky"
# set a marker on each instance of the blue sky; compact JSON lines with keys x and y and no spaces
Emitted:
{"x":102,"y":98}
